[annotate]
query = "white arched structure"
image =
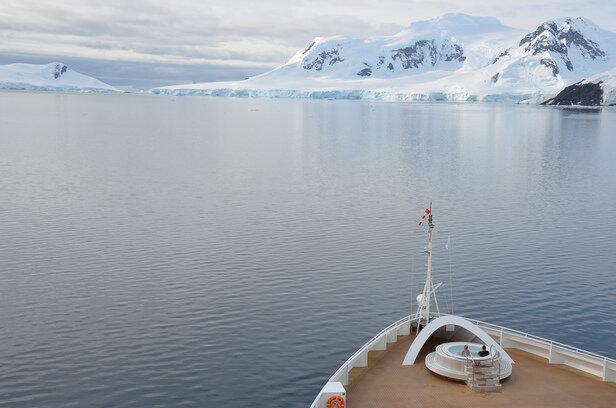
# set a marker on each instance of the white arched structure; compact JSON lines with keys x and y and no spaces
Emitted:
{"x":442,"y":321}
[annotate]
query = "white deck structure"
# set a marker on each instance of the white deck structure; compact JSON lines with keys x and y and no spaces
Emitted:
{"x":603,"y":368}
{"x":451,"y":323}
{"x":451,"y":328}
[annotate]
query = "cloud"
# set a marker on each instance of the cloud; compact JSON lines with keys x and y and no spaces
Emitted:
{"x":244,"y":36}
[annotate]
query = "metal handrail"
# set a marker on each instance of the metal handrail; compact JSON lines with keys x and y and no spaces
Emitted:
{"x":368,"y":344}
{"x":472,"y":368}
{"x":414,"y":318}
{"x":532,"y":336}
{"x":495,"y":354}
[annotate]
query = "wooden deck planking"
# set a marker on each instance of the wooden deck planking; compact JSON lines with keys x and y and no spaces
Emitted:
{"x":533,"y":383}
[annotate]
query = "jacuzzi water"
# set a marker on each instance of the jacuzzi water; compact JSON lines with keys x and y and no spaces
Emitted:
{"x":457,"y":350}
{"x":447,"y":361}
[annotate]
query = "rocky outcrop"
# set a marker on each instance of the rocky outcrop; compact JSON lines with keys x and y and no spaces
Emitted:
{"x":500,"y":56}
{"x":589,"y":94}
{"x":573,"y":37}
{"x":452,"y":52}
{"x":330,"y":57}
{"x":308,"y":48}
{"x":59,"y":70}
{"x":557,"y":41}
{"x":551,"y":65}
{"x":366,"y":71}
{"x":420,"y":53}
{"x":425,"y":52}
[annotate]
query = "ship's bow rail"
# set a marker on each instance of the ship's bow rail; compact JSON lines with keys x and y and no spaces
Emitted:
{"x":555,"y":352}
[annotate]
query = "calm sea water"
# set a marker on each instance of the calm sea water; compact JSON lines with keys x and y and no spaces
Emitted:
{"x":168,"y":252}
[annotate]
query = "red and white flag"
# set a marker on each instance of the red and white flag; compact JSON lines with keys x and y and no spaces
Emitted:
{"x":424,"y":216}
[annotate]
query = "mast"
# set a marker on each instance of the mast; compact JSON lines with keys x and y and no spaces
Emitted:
{"x":429,"y":291}
{"x":429,"y":273}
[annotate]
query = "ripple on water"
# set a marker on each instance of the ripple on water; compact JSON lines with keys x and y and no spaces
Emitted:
{"x":205,"y":254}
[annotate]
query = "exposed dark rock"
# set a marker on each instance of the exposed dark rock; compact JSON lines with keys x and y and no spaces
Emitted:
{"x":380,"y":63}
{"x":495,"y":77}
{"x":590,"y":94}
{"x":548,"y":37}
{"x":308,"y":48}
{"x":544,"y":38}
{"x":588,"y":47}
{"x":60,"y":69}
{"x":390,"y":66}
{"x":451,"y":52}
{"x":423,"y":51}
{"x":501,"y":55}
{"x":332,"y":56}
{"x":549,"y":26}
{"x":550,"y":64}
{"x":365,"y":72}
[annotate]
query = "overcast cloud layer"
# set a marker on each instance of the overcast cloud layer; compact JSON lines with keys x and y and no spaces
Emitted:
{"x":150,"y":42}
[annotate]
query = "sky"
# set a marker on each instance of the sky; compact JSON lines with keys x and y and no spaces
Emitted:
{"x":146,"y":43}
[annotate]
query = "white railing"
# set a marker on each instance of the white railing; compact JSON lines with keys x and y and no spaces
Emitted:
{"x":341,"y":375}
{"x":366,"y":347}
{"x":554,"y":351}
{"x":538,"y":339}
{"x":469,"y":367}
{"x":494,"y":353}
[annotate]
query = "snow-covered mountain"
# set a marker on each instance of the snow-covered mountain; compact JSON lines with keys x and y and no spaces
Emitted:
{"x":49,"y":77}
{"x":445,"y":44}
{"x":453,"y":57}
{"x":556,"y":54}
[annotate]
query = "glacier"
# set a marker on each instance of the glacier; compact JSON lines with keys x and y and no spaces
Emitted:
{"x":455,"y":57}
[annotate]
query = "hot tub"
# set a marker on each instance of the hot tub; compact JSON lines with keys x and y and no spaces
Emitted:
{"x":447,"y":360}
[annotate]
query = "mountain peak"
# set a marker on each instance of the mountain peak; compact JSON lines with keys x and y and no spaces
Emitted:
{"x":453,"y":57}
{"x":558,"y":37}
{"x":578,"y":23}
{"x":459,"y":23}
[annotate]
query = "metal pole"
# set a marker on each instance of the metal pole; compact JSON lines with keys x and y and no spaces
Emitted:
{"x":429,"y":274}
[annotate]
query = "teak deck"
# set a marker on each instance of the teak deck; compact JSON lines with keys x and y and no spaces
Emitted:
{"x":533,"y":383}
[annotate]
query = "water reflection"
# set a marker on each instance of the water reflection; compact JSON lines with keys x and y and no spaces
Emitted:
{"x":210,"y":252}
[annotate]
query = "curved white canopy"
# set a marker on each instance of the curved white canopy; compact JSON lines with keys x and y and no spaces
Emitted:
{"x":437,"y":323}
